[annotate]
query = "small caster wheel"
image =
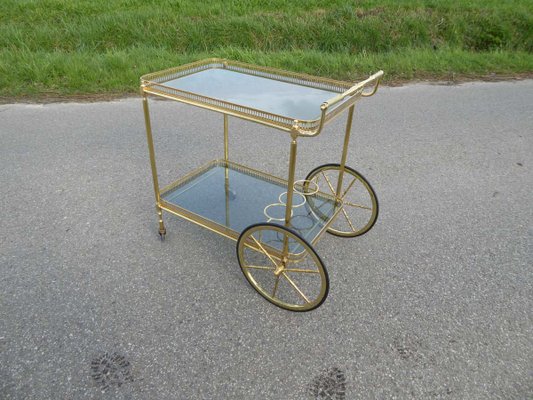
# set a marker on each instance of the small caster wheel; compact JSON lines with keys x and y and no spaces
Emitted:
{"x":162,"y":235}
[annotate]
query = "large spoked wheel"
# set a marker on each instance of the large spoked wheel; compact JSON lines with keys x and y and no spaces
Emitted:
{"x":296,"y":282}
{"x":359,"y":201}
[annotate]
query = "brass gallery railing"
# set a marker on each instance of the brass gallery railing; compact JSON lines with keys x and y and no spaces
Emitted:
{"x":348,"y":94}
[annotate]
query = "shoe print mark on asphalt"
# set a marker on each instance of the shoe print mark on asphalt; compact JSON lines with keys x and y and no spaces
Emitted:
{"x":111,"y":370}
{"x":330,"y":384}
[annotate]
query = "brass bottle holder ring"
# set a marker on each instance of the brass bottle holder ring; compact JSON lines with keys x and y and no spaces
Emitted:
{"x":270,"y":218}
{"x":282,"y":201}
{"x":302,"y":182}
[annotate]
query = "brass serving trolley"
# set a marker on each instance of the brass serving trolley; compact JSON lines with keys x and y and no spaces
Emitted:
{"x":275,"y":222}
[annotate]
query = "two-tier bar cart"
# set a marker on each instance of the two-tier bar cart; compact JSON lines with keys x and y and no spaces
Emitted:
{"x":275,"y":221}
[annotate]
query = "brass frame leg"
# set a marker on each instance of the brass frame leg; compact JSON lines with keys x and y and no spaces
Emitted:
{"x":344,"y":151}
{"x":290,"y":189}
{"x":162,"y":229}
{"x":149,"y":139}
{"x":226,"y":168}
{"x":226,"y":139}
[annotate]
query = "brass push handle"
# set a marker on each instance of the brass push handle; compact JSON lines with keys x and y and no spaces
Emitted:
{"x":354,"y":89}
{"x":357,"y":88}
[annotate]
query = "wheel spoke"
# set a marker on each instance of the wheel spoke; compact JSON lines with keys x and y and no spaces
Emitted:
{"x":275,"y":286}
{"x":348,"y":188}
{"x":306,"y":271}
{"x":264,"y":251}
{"x":259,"y":267}
{"x":295,"y":287}
{"x":329,"y":184}
{"x":347,"y":203}
{"x":348,"y":219}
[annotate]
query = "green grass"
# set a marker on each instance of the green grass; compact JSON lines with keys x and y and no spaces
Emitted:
{"x":65,"y":47}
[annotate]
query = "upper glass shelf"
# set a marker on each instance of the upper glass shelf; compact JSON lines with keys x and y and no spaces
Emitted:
{"x":270,"y":95}
{"x":265,"y":95}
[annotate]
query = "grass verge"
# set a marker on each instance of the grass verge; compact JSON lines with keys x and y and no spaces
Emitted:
{"x":65,"y":48}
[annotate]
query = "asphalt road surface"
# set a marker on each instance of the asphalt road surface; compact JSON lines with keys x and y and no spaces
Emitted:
{"x":433,"y":302}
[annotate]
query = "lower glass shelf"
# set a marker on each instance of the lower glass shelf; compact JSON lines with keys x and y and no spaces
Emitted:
{"x":227,"y":198}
